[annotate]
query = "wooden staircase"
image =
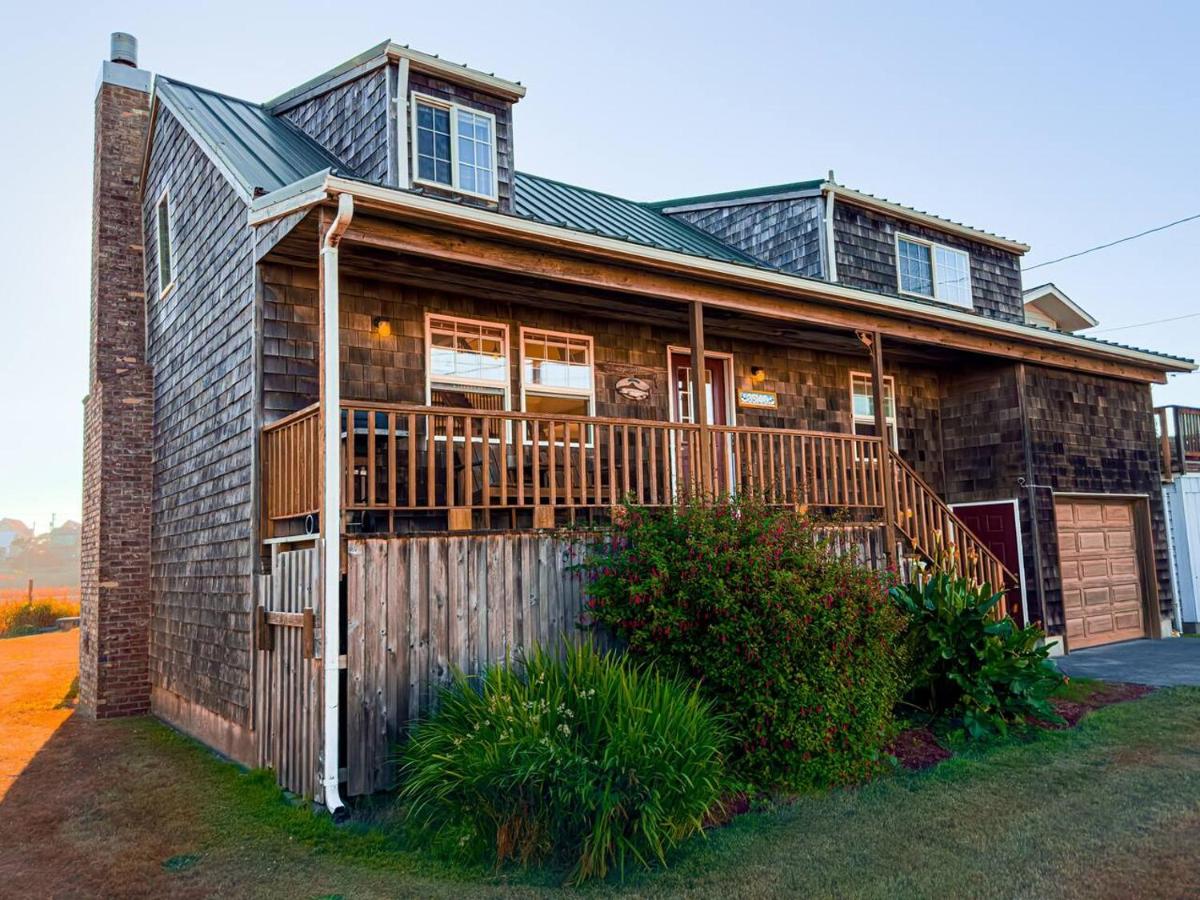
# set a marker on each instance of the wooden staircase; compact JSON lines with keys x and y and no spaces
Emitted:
{"x":936,"y":534}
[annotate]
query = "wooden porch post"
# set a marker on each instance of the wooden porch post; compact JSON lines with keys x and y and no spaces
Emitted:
{"x":1164,"y":440}
{"x":700,"y":395}
{"x":875,"y":342}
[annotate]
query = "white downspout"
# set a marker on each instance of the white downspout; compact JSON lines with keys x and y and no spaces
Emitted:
{"x":331,"y":509}
{"x":830,"y":244}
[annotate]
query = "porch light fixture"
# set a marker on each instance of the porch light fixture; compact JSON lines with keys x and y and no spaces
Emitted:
{"x":382,"y":326}
{"x":758,"y":374}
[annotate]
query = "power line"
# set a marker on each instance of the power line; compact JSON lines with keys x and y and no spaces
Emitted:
{"x":1142,"y":324}
{"x":1131,"y":237}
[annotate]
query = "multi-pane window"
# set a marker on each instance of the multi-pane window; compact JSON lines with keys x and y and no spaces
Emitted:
{"x":557,"y":374}
{"x":468,"y":363}
{"x":166,"y":262}
{"x":433,"y":144}
{"x":862,"y":404}
{"x":933,"y":270}
{"x":455,"y":147}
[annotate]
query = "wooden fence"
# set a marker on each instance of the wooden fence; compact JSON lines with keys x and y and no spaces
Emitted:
{"x":287,"y":676}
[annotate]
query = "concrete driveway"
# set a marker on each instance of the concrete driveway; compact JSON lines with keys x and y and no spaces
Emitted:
{"x":1160,"y":663}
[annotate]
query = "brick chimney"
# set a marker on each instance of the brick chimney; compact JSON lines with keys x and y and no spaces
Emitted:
{"x":114,"y":675}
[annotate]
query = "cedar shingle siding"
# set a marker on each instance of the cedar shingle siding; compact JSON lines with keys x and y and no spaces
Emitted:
{"x":351,"y":123}
{"x":866,"y":258}
{"x":200,"y":345}
{"x":783,"y":234}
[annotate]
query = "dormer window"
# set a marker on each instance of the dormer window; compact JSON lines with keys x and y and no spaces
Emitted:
{"x":455,"y":147}
{"x":933,"y":270}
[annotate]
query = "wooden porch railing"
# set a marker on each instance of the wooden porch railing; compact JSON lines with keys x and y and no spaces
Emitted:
{"x":1179,"y":439}
{"x":402,"y":459}
{"x":291,"y":463}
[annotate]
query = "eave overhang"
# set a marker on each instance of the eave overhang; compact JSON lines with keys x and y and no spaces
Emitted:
{"x":460,"y":219}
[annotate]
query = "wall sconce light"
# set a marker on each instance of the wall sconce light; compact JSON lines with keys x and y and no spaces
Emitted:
{"x":382,"y":326}
{"x":758,"y":374}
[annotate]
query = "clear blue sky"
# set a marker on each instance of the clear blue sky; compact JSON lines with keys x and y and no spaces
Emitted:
{"x":1061,"y":127}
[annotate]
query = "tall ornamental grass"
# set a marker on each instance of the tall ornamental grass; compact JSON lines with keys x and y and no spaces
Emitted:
{"x":590,"y":761}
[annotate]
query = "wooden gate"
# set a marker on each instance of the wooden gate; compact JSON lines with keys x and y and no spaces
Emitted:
{"x":287,"y":682}
{"x":417,"y":607}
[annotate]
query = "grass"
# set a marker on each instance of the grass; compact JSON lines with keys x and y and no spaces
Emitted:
{"x":1111,"y":807}
{"x":19,"y":616}
{"x":1077,"y":690}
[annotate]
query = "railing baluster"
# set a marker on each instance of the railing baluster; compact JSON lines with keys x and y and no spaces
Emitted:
{"x":485,"y":463}
{"x":653,"y":467}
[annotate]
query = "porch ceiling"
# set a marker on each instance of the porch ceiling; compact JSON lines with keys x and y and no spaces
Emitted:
{"x":299,"y":248}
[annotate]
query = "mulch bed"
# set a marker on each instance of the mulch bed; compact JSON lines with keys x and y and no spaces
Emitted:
{"x":916,"y":749}
{"x":1105,"y":695}
{"x":727,"y":809}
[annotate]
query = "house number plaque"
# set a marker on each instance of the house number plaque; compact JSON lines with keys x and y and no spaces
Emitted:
{"x":758,"y":399}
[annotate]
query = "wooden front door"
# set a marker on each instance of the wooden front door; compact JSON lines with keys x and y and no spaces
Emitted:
{"x":717,"y":402}
{"x":1102,"y":592}
{"x":996,"y":525}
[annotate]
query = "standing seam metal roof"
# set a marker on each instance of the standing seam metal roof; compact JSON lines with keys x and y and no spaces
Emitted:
{"x":261,"y":150}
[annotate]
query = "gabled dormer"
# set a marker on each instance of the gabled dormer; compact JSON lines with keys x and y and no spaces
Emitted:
{"x":402,"y":118}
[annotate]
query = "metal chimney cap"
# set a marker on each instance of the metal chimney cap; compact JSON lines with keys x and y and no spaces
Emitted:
{"x":123,"y":49}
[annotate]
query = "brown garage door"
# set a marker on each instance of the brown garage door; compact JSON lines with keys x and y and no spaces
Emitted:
{"x":1101,"y":580}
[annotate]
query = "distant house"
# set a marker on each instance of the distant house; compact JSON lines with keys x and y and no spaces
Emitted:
{"x":364,"y":377}
{"x":1048,"y":307}
{"x":12,"y":531}
{"x":65,"y":535}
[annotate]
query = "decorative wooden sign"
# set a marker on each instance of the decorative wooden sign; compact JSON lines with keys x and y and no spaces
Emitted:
{"x":633,"y":388}
{"x":758,"y":399}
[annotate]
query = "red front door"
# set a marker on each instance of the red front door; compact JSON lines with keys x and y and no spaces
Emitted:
{"x":996,"y":525}
{"x":716,"y":401}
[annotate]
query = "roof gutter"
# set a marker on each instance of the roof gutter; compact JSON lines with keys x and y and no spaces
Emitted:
{"x":744,"y":275}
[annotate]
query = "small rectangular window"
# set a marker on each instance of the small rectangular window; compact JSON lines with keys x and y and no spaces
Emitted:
{"x":455,"y":147}
{"x":166,"y":275}
{"x":933,"y":270}
{"x":862,"y":399}
{"x":468,"y":363}
{"x":557,"y":375}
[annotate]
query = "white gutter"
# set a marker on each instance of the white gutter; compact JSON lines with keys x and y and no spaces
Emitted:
{"x":331,"y":518}
{"x":764,"y":279}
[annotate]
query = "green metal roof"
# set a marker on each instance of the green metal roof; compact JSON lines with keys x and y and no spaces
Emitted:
{"x":769,"y":190}
{"x":555,"y":203}
{"x":260,"y":150}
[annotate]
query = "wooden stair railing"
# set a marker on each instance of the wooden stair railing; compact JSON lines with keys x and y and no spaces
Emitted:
{"x":936,"y":533}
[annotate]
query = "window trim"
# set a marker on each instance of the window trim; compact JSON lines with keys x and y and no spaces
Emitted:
{"x":415,"y":158}
{"x":933,"y":247}
{"x":164,"y":202}
{"x":589,"y":394}
{"x":467,"y":382}
{"x":892,"y":420}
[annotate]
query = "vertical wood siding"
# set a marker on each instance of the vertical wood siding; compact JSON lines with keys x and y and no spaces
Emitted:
{"x":351,"y":122}
{"x":784,"y":234}
{"x":866,"y":258}
{"x":200,"y":346}
{"x":288,"y":686}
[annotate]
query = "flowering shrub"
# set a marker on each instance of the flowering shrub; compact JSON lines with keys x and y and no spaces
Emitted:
{"x":590,"y":760}
{"x":794,"y":643}
{"x":964,"y":664}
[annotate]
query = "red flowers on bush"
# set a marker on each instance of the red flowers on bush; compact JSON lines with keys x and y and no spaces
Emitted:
{"x":796,"y":644}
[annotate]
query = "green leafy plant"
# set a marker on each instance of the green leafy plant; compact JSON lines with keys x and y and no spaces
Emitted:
{"x":590,"y":760}
{"x":965,"y":663}
{"x":796,"y":644}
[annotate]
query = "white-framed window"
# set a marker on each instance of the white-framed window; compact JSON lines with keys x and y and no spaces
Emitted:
{"x":862,"y":405}
{"x":466,"y":363}
{"x":933,"y":270}
{"x":453,"y":146}
{"x":558,"y":374}
{"x":164,"y":236}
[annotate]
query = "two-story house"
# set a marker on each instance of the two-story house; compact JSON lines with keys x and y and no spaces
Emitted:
{"x":355,"y":379}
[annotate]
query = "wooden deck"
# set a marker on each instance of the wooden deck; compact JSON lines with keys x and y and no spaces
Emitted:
{"x":1179,"y":439}
{"x":413,"y":469}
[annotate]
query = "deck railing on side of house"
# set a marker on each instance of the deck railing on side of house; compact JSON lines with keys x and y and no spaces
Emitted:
{"x":404,"y":460}
{"x":1179,"y":439}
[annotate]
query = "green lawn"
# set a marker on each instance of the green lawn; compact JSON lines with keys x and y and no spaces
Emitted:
{"x":1109,"y":808}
